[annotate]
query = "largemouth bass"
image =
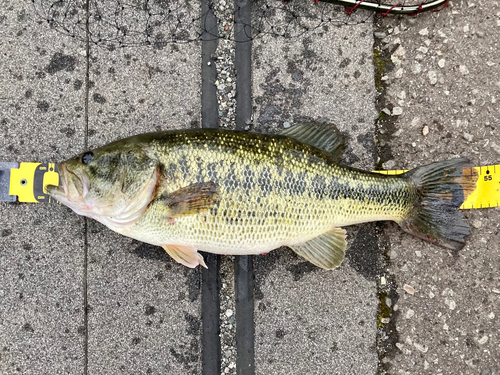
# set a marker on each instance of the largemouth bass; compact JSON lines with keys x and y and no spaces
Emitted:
{"x":229,"y":192}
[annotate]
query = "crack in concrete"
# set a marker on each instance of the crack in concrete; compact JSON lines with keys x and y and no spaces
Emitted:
{"x":86,"y":237}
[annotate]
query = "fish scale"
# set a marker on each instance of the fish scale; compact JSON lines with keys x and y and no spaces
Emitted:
{"x":231,"y":192}
{"x":269,"y":193}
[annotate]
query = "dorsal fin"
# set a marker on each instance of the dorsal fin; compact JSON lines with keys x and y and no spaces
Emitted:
{"x":324,"y":136}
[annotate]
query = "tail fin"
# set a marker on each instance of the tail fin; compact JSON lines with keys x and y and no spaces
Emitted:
{"x":442,"y":187}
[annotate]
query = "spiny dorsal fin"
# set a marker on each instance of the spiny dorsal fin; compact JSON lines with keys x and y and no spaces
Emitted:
{"x":324,"y":136}
{"x":192,"y":199}
{"x":326,"y":251}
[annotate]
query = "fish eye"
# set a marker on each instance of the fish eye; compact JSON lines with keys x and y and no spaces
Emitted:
{"x":87,"y":157}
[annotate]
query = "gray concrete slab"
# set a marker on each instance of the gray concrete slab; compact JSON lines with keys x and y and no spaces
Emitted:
{"x":41,"y":246}
{"x":326,"y":75}
{"x":310,"y":320}
{"x":144,"y":308}
{"x":142,"y":89}
{"x":444,"y":76}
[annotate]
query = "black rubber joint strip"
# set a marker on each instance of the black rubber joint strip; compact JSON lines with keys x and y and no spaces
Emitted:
{"x":243,"y":266}
{"x":210,"y":300}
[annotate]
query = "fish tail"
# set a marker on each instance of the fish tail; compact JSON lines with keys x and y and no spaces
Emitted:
{"x":441,"y":188}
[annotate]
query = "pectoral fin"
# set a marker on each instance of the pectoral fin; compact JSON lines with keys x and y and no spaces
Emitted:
{"x":192,"y":199}
{"x":185,"y":255}
{"x":326,"y":251}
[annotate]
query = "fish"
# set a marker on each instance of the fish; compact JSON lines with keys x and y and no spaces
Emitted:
{"x":242,"y":193}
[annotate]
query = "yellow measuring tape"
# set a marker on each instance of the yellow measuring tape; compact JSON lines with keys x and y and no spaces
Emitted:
{"x":28,"y":182}
{"x":487,"y":192}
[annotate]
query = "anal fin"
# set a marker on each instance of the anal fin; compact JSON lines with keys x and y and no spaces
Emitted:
{"x":326,"y":251}
{"x":186,"y":255}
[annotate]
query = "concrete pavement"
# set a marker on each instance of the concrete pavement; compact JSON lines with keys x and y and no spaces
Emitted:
{"x":77,"y":298}
{"x":443,"y":73}
{"x":306,"y":317}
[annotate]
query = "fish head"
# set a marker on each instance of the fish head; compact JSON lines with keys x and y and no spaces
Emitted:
{"x":116,"y":180}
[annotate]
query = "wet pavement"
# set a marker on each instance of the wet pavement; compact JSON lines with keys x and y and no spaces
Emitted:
{"x":77,"y":298}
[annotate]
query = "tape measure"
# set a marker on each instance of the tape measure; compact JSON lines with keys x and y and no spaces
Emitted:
{"x":27,"y":182}
{"x":487,"y":192}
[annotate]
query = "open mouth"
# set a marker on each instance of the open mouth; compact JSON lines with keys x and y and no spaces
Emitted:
{"x":71,"y":187}
{"x":59,"y":191}
{"x":56,"y":191}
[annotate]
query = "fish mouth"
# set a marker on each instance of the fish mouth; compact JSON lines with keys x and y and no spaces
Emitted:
{"x":71,"y":188}
{"x":56,"y":192}
{"x":59,"y":191}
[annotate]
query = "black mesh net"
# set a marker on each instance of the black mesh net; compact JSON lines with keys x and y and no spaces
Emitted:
{"x":123,"y":23}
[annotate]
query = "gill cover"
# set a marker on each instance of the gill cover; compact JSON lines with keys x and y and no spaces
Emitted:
{"x":112,"y":184}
